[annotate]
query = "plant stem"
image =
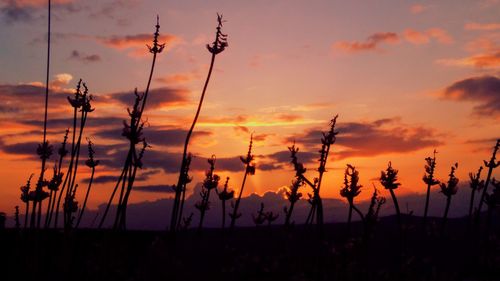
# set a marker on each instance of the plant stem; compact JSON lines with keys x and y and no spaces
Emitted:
{"x":86,"y":198}
{"x":396,"y":206}
{"x":177,"y":210}
{"x":237,"y":203}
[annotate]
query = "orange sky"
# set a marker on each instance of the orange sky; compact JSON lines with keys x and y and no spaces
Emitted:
{"x":405,"y":78}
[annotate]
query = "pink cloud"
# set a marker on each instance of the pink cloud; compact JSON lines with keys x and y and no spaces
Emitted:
{"x":418,"y":9}
{"x":482,"y":26}
{"x":370,"y":44}
{"x":424,"y":37}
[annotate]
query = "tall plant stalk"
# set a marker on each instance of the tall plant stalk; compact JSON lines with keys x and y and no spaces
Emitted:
{"x":350,"y":190}
{"x":91,"y":163}
{"x":133,"y":132}
{"x":249,"y":170}
{"x":225,"y":195}
{"x":316,"y":210}
{"x":491,"y":165}
{"x":476,"y":184}
{"x":388,"y":179}
{"x":218,"y":46}
{"x":292,"y":195}
{"x":449,"y":189}
{"x":429,"y":179}
{"x":44,"y":149}
{"x":211,"y":182}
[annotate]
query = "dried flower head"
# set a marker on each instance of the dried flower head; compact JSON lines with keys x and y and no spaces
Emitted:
{"x":91,"y":162}
{"x":430,"y":167}
{"x":351,"y":188}
{"x":451,"y":187}
{"x":389,"y":177}
{"x":220,"y":42}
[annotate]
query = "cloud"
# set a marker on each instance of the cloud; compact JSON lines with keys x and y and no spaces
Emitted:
{"x":424,"y":37}
{"x":410,"y":35}
{"x":418,"y":9}
{"x":482,"y":26}
{"x":151,"y":215}
{"x":27,"y":10}
{"x":157,"y":98}
{"x":24,"y":149}
{"x":482,"y":90}
{"x":370,"y":44}
{"x":154,"y":135}
{"x":489,"y":60}
{"x":179,"y":78}
{"x":78,"y":56}
{"x":159,"y":188}
{"x":61,"y":80}
{"x":368,"y":139}
{"x":136,"y":44}
{"x":28,"y":99}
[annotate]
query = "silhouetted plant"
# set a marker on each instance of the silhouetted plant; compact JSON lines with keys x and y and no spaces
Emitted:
{"x":2,"y":220}
{"x":429,"y":179}
{"x":16,"y":218}
{"x":133,"y":132}
{"x":249,"y":170}
{"x":449,"y":189}
{"x":327,"y":140}
{"x":371,"y":216}
{"x":260,"y":218}
{"x":271,"y":217}
{"x":44,"y":149}
{"x":492,"y":200}
{"x":25,"y":197}
{"x":56,"y":180}
{"x":388,"y":179}
{"x":217,"y":47}
{"x":292,"y":195}
{"x":211,"y":182}
{"x":81,"y":102}
{"x":70,"y":207}
{"x":476,"y":184}
{"x":91,"y":163}
{"x":225,"y":195}
{"x":186,"y":222}
{"x":491,"y":165}
{"x":350,"y":190}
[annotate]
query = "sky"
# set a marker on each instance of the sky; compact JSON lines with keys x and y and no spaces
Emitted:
{"x":405,"y":78}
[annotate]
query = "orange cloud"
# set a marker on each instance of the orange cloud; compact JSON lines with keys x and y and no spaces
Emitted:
{"x":482,"y":26}
{"x":134,"y":41}
{"x":491,"y":60}
{"x":370,"y":44}
{"x":137,"y":43}
{"x":179,"y":78}
{"x":424,"y":37}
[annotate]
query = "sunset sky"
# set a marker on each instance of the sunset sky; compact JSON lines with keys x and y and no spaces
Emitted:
{"x":405,"y":77}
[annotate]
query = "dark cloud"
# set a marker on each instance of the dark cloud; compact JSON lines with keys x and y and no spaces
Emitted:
{"x":482,"y":90}
{"x":366,"y":139}
{"x":154,"y":188}
{"x":28,"y":97}
{"x":25,"y":148}
{"x":79,"y":56}
{"x":13,"y":11}
{"x":151,"y":215}
{"x":158,"y":97}
{"x":155,"y":135}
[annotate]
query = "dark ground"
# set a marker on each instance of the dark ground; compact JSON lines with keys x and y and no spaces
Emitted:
{"x":263,"y":253}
